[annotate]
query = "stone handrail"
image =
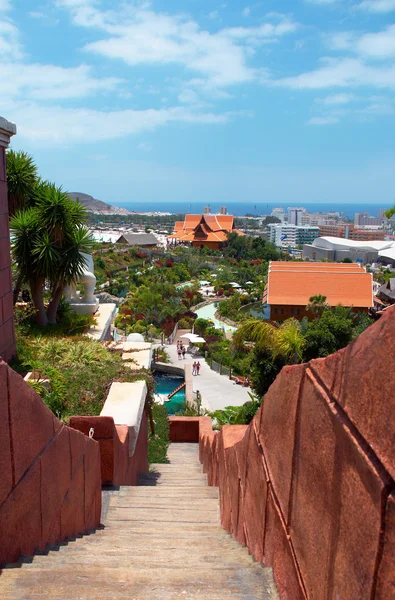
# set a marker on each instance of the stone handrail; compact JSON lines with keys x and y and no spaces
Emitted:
{"x":122,"y":433}
{"x":309,"y":485}
{"x":50,"y":485}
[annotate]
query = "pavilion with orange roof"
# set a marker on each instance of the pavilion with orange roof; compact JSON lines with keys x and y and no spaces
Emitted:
{"x":200,"y":231}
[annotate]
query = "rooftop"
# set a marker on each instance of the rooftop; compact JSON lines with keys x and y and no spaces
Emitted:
{"x":295,"y":283}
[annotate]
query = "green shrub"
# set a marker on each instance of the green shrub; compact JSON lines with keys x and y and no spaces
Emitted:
{"x":158,"y":443}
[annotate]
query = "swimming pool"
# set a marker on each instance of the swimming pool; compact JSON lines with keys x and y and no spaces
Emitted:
{"x":165,"y":383}
{"x":208,"y":312}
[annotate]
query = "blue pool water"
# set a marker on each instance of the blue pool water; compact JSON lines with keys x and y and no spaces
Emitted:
{"x":166,"y":383}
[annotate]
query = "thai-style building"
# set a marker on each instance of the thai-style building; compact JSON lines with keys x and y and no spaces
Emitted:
{"x":290,"y":285}
{"x":200,"y":231}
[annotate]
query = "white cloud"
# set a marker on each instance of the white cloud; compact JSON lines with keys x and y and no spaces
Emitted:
{"x":378,"y":45}
{"x":378,"y":6}
{"x":49,"y":82}
{"x":5,"y":5}
{"x":10,"y":47}
{"x":188,"y":96}
{"x":140,"y":36}
{"x":323,"y":121}
{"x":343,"y":72}
{"x":336,"y":99}
{"x":59,"y":125}
{"x":246,"y":12}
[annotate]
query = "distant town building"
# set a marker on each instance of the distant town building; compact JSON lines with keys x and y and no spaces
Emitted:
{"x":139,"y":240}
{"x":285,"y":236}
{"x":337,"y":249}
{"x":223,"y":210}
{"x":365,"y":219}
{"x":207,"y":210}
{"x":278,"y":213}
{"x":295,"y":215}
{"x":351,"y":232}
{"x":291,"y":284}
{"x":200,"y":231}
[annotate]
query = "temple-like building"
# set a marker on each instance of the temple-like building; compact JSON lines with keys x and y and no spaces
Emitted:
{"x":204,"y":230}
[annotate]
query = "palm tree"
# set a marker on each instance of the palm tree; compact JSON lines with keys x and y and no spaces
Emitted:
{"x":49,"y":242}
{"x":21,"y":180}
{"x":317,"y":304}
{"x":284,"y":341}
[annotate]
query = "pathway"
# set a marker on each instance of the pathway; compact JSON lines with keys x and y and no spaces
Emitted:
{"x":217,"y":390}
{"x":160,"y":541}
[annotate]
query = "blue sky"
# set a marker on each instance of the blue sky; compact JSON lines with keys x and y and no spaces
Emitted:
{"x":198,"y":100}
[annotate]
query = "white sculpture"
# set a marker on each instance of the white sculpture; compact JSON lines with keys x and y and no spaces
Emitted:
{"x":88,"y":304}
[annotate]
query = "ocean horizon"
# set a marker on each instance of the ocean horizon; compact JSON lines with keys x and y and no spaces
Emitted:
{"x":240,"y":209}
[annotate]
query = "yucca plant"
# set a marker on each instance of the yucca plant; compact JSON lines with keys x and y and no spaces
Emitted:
{"x":21,"y":180}
{"x":49,"y":243}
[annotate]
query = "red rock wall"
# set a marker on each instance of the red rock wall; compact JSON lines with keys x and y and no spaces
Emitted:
{"x":7,"y":334}
{"x":117,"y":468}
{"x":50,"y":486}
{"x":309,"y":485}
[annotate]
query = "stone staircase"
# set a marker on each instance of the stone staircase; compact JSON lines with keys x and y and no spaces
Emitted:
{"x":161,"y":540}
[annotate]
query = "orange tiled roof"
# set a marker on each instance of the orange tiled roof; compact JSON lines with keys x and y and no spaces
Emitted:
{"x":277,"y":265}
{"x":295,"y":286}
{"x":209,"y":228}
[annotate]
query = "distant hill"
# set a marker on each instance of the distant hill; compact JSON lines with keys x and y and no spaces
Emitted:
{"x":94,"y":205}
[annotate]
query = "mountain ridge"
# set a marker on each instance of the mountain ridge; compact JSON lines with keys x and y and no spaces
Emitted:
{"x":96,"y":206}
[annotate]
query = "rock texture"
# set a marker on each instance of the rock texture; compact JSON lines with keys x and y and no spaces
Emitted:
{"x":50,"y":486}
{"x":309,"y":485}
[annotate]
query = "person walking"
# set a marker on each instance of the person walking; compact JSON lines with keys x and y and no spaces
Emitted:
{"x":197,"y":368}
{"x":183,"y":351}
{"x":179,"y":352}
{"x":198,"y":402}
{"x":194,"y":368}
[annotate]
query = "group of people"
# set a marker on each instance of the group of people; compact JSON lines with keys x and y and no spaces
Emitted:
{"x":181,"y":350}
{"x":196,"y":368}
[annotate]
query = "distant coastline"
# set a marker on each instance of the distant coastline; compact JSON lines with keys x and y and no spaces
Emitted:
{"x":242,"y":208}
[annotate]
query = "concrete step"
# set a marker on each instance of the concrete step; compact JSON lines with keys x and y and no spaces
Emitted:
{"x":83,"y":583}
{"x":161,"y":540}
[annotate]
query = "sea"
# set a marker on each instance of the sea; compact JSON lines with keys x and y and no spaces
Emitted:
{"x":240,"y":209}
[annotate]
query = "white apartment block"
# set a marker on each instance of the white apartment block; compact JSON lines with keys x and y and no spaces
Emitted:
{"x":289,"y":236}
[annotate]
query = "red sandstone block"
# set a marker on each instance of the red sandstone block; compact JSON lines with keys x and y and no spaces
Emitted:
{"x":72,"y":516}
{"x":336,"y":504}
{"x":5,"y":441}
{"x":4,"y":228}
{"x":7,"y":336}
{"x":111,"y":460}
{"x":386,"y":575}
{"x":277,"y":430}
{"x":8,"y":307}
{"x":32,"y":424}
{"x":232,"y":435}
{"x":255,"y":497}
{"x":55,"y":481}
{"x":20,"y":518}
{"x":5,"y":259}
{"x":278,"y":554}
{"x":1,"y":312}
{"x":77,"y":449}
{"x":2,"y":174}
{"x":184,"y":429}
{"x":352,"y":377}
{"x":92,"y":479}
{"x":9,"y":353}
{"x":5,"y":281}
{"x":103,"y":426}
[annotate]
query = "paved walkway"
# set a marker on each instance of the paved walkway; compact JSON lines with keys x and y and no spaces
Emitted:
{"x":217,"y":390}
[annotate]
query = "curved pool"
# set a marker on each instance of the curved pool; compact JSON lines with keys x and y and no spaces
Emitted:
{"x":208,"y":312}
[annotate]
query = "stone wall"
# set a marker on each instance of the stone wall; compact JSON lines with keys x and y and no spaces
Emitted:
{"x":50,"y":485}
{"x":308,"y":486}
{"x":7,"y":334}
